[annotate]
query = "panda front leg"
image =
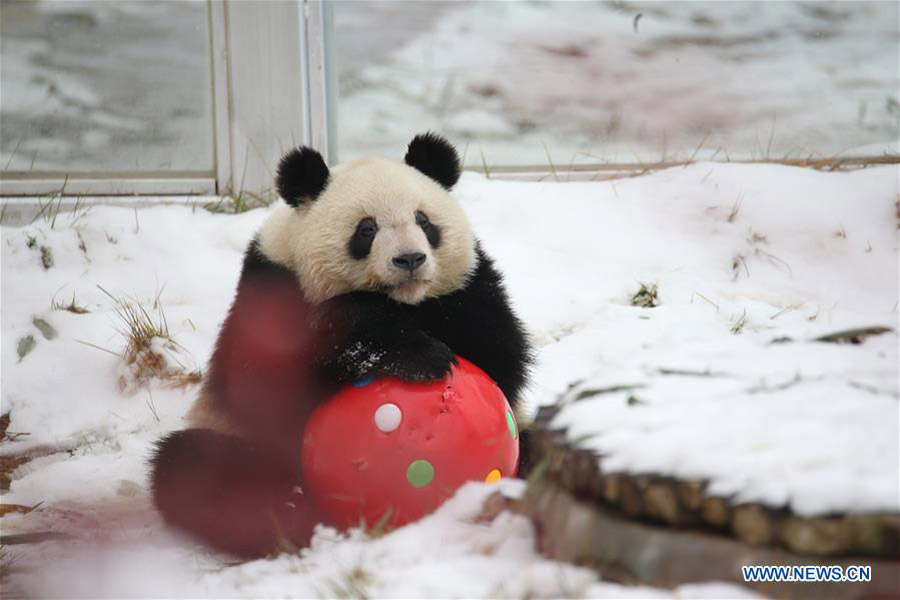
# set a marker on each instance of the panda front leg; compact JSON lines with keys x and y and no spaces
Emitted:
{"x":230,"y":492}
{"x":364,"y":334}
{"x":408,"y":354}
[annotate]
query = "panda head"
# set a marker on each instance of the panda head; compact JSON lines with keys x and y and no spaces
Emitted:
{"x":372,"y":224}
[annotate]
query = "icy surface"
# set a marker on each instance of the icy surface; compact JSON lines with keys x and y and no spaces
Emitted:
{"x":766,"y":251}
{"x":544,"y":83}
{"x":523,"y":82}
{"x":93,"y":86}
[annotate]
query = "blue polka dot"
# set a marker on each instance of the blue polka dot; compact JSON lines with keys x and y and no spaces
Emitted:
{"x":364,"y":381}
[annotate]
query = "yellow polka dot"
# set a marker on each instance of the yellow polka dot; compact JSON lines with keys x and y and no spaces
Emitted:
{"x":493,"y":476}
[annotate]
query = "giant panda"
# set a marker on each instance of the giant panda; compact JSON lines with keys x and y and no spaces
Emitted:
{"x":367,"y":269}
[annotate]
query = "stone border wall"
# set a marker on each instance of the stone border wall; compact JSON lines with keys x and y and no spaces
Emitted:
{"x":686,"y":505}
{"x":630,"y":552}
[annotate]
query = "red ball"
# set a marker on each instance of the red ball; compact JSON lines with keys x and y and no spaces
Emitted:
{"x":385,"y":450}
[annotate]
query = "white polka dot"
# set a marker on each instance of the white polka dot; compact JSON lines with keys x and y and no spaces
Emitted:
{"x":387,"y":417}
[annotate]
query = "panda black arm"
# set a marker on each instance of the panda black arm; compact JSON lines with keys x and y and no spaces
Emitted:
{"x":478,"y":323}
{"x":365,"y":333}
{"x":258,"y":373}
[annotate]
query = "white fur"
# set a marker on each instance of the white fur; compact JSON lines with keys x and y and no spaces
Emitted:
{"x":313,"y":240}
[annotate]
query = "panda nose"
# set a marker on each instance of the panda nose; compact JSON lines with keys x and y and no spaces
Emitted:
{"x":411,"y":261}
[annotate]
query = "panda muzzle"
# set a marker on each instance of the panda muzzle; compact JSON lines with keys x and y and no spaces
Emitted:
{"x":409,"y":261}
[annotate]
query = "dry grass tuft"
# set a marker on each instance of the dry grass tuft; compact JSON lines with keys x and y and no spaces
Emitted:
{"x":22,"y":509}
{"x":183,"y":380}
{"x":591,"y":392}
{"x":738,"y":326}
{"x":633,"y":400}
{"x":50,"y":210}
{"x":46,"y":257}
{"x":757,"y":241}
{"x":381,"y":527}
{"x":704,"y":298}
{"x":647,"y":296}
{"x":140,"y":326}
{"x":6,"y":435}
{"x":484,"y":164}
{"x":150,"y":350}
{"x":234,"y":204}
{"x":736,"y":208}
{"x":353,"y":584}
{"x":736,"y":263}
{"x":8,"y":464}
{"x":788,"y":309}
{"x":72,"y":306}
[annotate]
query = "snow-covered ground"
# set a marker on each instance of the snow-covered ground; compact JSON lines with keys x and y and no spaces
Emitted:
{"x":742,"y":255}
{"x":723,"y":380}
{"x":586,"y":82}
{"x":96,"y":86}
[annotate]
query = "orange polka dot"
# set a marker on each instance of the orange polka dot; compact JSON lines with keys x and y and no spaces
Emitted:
{"x":493,"y":477}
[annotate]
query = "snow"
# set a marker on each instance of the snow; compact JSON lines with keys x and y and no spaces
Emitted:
{"x":462,"y":559}
{"x":543,"y":83}
{"x":804,"y":425}
{"x":522,"y":82}
{"x":105,"y":86}
{"x":779,"y":251}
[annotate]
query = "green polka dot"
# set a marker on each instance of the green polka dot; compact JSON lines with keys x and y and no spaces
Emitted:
{"x":420,"y":473}
{"x":511,"y":425}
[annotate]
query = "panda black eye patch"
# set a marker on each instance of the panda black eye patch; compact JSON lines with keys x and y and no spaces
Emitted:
{"x":361,"y":242}
{"x":432,"y":232}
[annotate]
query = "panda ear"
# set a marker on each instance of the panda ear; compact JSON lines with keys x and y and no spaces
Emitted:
{"x":436,"y":157}
{"x":302,"y":175}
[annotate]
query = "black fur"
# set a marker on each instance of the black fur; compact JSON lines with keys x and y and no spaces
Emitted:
{"x":278,"y":357}
{"x":360,"y":243}
{"x":414,"y":342}
{"x":432,"y":231}
{"x":436,"y":157}
{"x":478,"y":323}
{"x":417,"y":342}
{"x":260,"y":391}
{"x":302,"y":175}
{"x":238,"y":494}
{"x":256,"y":265}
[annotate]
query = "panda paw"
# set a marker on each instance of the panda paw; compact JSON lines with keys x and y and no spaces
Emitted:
{"x":421,"y":358}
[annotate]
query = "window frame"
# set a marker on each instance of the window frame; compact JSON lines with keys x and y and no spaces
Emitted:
{"x":274,"y":87}
{"x":277,"y":46}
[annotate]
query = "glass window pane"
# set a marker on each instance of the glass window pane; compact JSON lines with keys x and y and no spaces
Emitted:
{"x":105,"y":87}
{"x":588,"y":82}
